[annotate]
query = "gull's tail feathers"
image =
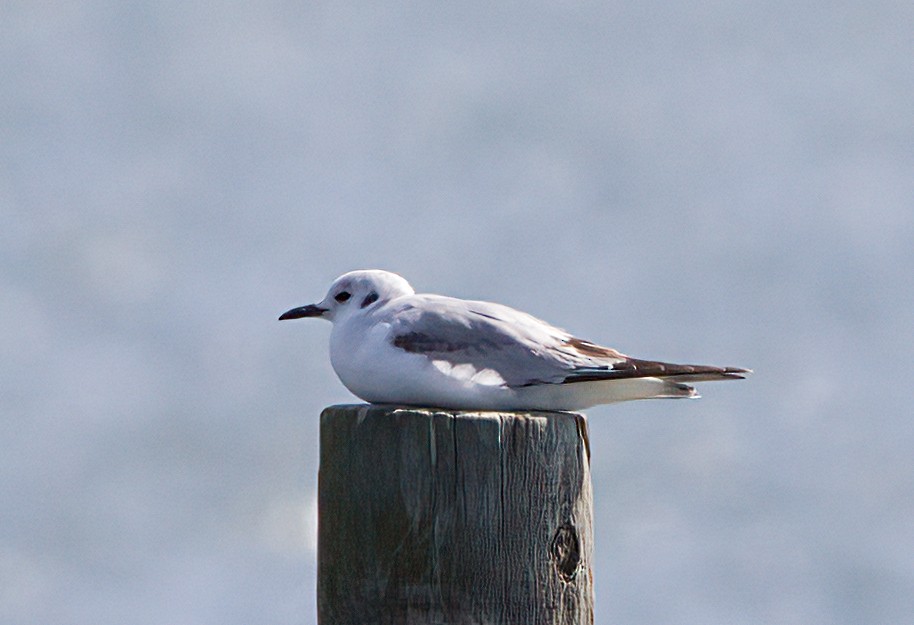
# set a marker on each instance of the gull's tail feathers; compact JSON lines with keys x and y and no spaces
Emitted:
{"x":678,"y":390}
{"x":650,"y":388}
{"x":633,"y":379}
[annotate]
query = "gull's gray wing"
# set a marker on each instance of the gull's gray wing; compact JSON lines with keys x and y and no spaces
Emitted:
{"x":521,"y":349}
{"x":482,"y":337}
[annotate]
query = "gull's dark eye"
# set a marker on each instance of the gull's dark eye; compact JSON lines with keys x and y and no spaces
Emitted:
{"x":342,"y":296}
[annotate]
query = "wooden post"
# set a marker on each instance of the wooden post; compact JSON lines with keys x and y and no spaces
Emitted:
{"x":440,"y":517}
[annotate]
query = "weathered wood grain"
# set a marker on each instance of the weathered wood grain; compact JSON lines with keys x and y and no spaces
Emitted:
{"x":453,"y":518}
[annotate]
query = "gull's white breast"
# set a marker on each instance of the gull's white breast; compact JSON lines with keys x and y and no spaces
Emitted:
{"x":374,"y":370}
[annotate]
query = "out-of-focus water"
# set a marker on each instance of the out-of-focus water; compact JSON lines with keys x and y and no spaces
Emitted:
{"x":730,"y":183}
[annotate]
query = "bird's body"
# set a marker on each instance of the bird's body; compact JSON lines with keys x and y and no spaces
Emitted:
{"x":390,"y":345}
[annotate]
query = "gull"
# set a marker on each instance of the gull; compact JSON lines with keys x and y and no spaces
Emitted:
{"x":391,"y":345}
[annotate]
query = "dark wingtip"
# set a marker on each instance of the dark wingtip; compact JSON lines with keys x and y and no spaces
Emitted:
{"x":737,"y":373}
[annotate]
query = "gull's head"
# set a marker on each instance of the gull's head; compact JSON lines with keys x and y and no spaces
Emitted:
{"x":354,"y":293}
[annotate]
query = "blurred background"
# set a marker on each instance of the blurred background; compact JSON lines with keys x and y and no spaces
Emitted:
{"x":728,"y":183}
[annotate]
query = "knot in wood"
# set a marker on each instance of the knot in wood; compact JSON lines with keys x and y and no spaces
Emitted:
{"x":566,"y":551}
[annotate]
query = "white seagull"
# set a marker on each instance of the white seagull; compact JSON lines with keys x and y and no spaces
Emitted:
{"x":390,"y":345}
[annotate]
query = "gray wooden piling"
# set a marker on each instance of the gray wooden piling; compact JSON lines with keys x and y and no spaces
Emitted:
{"x":451,"y":518}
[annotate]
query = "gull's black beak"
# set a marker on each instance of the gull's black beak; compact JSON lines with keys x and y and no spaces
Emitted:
{"x":303,"y":311}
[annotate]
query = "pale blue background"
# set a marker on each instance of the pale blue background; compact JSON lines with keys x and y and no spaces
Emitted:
{"x":721,"y":182}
